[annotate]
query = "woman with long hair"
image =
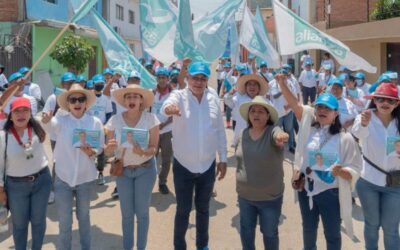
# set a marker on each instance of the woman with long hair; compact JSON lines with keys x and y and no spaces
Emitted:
{"x":23,"y":165}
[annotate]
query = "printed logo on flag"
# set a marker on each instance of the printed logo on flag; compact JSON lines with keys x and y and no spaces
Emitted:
{"x":305,"y":34}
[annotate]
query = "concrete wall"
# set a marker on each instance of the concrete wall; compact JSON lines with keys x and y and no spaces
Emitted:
{"x":41,"y":38}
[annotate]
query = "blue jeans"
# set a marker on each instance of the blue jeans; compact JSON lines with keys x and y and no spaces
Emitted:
{"x":202,"y":185}
{"x":268,"y":213}
{"x":64,"y":196}
{"x":326,"y":205}
{"x":134,"y":188}
{"x":28,"y":203}
{"x":381,"y":209}
{"x":286,"y":123}
{"x":309,"y":93}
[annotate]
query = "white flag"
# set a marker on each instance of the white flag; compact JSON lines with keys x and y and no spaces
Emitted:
{"x":296,"y":35}
{"x":253,"y":38}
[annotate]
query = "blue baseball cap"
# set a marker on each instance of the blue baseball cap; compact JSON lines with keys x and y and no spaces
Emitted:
{"x":227,"y":65}
{"x":81,"y":78}
{"x":161,"y":71}
{"x":359,"y":75}
{"x":343,"y":68}
{"x":328,"y":100}
{"x":284,"y":71}
{"x":336,"y":81}
{"x":174,"y":72}
{"x":199,"y":68}
{"x":148,"y":64}
{"x":134,"y":74}
{"x":343,"y":77}
{"x":15,"y":76}
{"x":99,"y":78}
{"x":89,"y":84}
{"x":23,"y":70}
{"x":286,"y":66}
{"x":327,"y":67}
{"x":68,"y":77}
{"x":391,"y":74}
{"x":108,"y":71}
{"x":308,"y":62}
{"x":263,"y":64}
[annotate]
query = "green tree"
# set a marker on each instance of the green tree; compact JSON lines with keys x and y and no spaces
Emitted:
{"x":385,"y":9}
{"x":74,"y":53}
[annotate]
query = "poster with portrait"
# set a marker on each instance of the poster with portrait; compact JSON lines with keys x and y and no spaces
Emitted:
{"x":321,"y":164}
{"x":132,"y":136}
{"x":84,"y":136}
{"x":393,"y":152}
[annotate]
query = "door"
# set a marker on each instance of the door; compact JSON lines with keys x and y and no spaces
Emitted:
{"x":393,"y":57}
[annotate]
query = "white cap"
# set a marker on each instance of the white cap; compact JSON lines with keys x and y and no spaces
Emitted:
{"x":135,"y":74}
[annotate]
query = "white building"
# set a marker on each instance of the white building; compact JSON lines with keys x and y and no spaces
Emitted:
{"x":124,"y":17}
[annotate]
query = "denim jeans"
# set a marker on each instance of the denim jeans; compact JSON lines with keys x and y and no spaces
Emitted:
{"x":309,"y":93}
{"x":381,"y":209}
{"x":134,"y":188}
{"x":326,"y":205}
{"x":64,"y":195}
{"x":286,"y":123}
{"x":186,"y":183}
{"x":268,"y":213}
{"x":28,"y":203}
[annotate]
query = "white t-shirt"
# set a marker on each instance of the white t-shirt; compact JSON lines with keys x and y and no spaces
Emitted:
{"x":3,"y":80}
{"x":50,"y":105}
{"x":347,"y":110}
{"x":156,"y":109}
{"x":220,"y":71}
{"x":323,"y":79}
{"x":33,"y":89}
{"x":101,"y":108}
{"x":280,"y":102}
{"x":116,"y":123}
{"x":329,"y":62}
{"x":308,"y":78}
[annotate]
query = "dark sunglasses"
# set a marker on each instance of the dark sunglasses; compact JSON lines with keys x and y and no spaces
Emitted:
{"x":73,"y":100}
{"x":388,"y":100}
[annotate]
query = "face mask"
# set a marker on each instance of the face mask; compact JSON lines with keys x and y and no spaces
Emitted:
{"x":98,"y":87}
{"x":359,"y":82}
{"x":352,"y":93}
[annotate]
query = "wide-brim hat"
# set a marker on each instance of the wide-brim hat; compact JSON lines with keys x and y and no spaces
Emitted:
{"x":62,"y":99}
{"x":258,"y":100}
{"x":241,"y":84}
{"x":385,"y":90}
{"x":148,"y":96}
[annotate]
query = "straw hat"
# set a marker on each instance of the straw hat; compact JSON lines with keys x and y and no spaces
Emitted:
{"x":258,"y":100}
{"x":241,"y":84}
{"x":62,"y":99}
{"x":148,"y":96}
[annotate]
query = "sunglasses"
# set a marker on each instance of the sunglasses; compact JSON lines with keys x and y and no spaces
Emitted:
{"x":73,"y":100}
{"x":388,"y":100}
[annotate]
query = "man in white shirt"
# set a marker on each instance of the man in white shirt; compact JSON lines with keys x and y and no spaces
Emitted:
{"x":220,"y":74}
{"x":32,"y":89}
{"x":327,"y":60}
{"x":304,"y":58}
{"x":308,"y":83}
{"x":3,"y":78}
{"x":347,"y":110}
{"x":198,"y":134}
{"x":324,"y":78}
{"x":360,"y":82}
{"x":264,"y":72}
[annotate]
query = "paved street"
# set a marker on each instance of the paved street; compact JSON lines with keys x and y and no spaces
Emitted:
{"x":224,"y":222}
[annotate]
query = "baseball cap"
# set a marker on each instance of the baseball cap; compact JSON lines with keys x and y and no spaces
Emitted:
{"x":199,"y":68}
{"x":328,"y":100}
{"x":20,"y":102}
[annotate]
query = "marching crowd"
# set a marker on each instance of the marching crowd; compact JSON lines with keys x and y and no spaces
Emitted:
{"x":344,"y":134}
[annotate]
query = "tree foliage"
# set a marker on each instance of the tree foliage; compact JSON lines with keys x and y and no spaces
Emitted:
{"x":385,"y":9}
{"x":74,"y":53}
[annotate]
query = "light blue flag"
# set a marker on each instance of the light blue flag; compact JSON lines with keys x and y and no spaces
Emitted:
{"x":119,"y":56}
{"x":184,"y":40}
{"x":234,"y":39}
{"x":158,"y":29}
{"x":211,"y":31}
{"x":81,"y":8}
{"x":260,"y":20}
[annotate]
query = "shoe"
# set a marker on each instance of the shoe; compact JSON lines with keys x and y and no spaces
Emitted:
{"x":114,"y":194}
{"x":100,"y":179}
{"x":163,"y":189}
{"x":51,"y":198}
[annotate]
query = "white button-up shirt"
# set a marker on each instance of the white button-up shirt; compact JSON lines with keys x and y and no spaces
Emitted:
{"x":199,"y":132}
{"x":373,"y":140}
{"x":73,"y":166}
{"x":308,"y":78}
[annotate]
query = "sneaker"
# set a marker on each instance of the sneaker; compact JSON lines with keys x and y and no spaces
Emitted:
{"x":51,"y":198}
{"x":163,"y":189}
{"x":100,"y":179}
{"x":114,"y":194}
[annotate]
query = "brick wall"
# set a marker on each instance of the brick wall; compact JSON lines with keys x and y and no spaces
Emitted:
{"x":345,"y":12}
{"x":8,"y":10}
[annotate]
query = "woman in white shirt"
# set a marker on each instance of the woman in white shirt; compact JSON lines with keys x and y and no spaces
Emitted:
{"x":375,"y":127}
{"x":137,"y":181}
{"x":23,"y":164}
{"x":75,"y":168}
{"x":321,"y":131}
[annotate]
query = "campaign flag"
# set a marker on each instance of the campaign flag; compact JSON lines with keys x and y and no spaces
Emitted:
{"x":253,"y":38}
{"x":81,"y":8}
{"x":118,"y":54}
{"x":296,"y":35}
{"x":158,"y":27}
{"x":234,"y":42}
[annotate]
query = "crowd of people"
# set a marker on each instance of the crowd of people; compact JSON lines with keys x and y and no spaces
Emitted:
{"x":344,"y":134}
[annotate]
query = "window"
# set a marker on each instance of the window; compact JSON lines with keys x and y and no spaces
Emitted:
{"x":131,"y":17}
{"x":119,"y":12}
{"x":51,"y":1}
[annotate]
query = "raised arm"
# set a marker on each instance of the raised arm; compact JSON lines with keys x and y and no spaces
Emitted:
{"x":183,"y":73}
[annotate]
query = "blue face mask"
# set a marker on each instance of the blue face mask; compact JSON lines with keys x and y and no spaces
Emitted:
{"x":359,"y":82}
{"x":352,"y":93}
